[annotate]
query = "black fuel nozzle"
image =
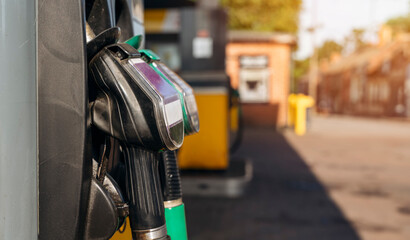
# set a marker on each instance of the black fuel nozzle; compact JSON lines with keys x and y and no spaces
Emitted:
{"x":147,"y":217}
{"x":139,"y":108}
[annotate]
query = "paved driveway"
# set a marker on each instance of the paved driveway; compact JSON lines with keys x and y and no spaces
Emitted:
{"x":347,"y":179}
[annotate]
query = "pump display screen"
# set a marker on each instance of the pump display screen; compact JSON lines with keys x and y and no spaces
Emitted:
{"x":172,"y":103}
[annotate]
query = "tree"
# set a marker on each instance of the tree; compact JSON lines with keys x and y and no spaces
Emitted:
{"x":262,"y":15}
{"x":325,"y":51}
{"x":355,"y":40}
{"x":328,"y":48}
{"x":300,"y":68}
{"x":399,"y":24}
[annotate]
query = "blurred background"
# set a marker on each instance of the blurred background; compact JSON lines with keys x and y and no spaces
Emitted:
{"x":304,"y":108}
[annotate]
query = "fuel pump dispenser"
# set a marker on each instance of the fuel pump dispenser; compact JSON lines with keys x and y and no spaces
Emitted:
{"x":104,"y":125}
{"x":110,"y":119}
{"x":104,"y":117}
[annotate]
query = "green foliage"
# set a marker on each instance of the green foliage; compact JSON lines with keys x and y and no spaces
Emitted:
{"x":355,"y":40}
{"x":300,"y":67}
{"x":263,"y":15}
{"x":399,"y":24}
{"x":328,"y":48}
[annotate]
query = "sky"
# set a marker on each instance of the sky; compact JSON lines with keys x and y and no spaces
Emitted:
{"x":336,"y":18}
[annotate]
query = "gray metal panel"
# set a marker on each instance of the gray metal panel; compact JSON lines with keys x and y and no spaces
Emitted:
{"x":18,"y":155}
{"x":194,"y":21}
{"x":64,"y":154}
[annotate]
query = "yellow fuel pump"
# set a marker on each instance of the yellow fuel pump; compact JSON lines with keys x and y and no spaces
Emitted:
{"x":298,"y":103}
{"x":205,"y":158}
{"x":209,"y":149}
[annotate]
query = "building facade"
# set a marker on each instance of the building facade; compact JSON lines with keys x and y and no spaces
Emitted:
{"x":372,"y":82}
{"x":259,"y":66}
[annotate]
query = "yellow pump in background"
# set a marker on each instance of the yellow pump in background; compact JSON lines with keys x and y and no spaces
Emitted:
{"x":208,"y":149}
{"x":123,"y":235}
{"x":298,"y":103}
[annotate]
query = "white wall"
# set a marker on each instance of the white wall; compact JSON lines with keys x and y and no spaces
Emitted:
{"x":18,"y":155}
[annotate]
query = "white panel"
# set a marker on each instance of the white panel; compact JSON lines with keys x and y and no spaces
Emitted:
{"x":18,"y":123}
{"x":254,"y":85}
{"x":173,"y":112}
{"x":202,"y":47}
{"x":254,"y":61}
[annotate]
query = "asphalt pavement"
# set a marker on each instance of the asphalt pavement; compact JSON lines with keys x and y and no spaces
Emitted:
{"x":347,"y":178}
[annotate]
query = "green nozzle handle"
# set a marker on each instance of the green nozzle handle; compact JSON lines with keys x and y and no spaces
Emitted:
{"x":172,"y":193}
{"x":176,"y":223}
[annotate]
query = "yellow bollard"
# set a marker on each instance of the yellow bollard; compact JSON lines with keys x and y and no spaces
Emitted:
{"x":297,"y":112}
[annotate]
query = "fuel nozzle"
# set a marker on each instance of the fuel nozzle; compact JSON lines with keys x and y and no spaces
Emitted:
{"x":138,"y":107}
{"x":135,"y":104}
